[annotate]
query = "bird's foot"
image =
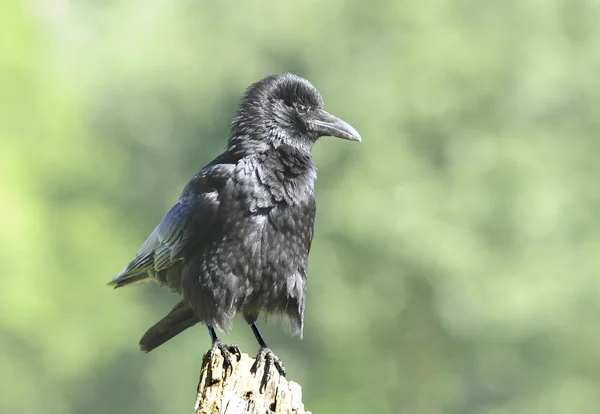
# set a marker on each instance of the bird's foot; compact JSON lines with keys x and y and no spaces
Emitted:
{"x":271,"y":360}
{"x":226,"y":351}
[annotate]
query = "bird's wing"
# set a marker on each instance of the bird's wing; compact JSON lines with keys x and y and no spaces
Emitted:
{"x":186,"y":219}
{"x":183,"y":225}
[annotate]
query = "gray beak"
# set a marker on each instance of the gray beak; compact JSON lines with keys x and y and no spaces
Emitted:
{"x":329,"y":125}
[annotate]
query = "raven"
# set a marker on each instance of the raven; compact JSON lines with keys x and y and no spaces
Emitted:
{"x":238,"y":238}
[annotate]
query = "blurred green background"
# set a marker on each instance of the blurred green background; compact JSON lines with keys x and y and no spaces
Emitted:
{"x":455,"y":266}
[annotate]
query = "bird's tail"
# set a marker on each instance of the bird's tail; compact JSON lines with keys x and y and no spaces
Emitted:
{"x":178,"y":320}
{"x":126,"y":278}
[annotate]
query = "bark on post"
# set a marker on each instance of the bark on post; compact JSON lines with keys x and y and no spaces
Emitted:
{"x":238,"y":392}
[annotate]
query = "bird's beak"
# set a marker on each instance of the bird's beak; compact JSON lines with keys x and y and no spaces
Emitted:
{"x":326,"y":124}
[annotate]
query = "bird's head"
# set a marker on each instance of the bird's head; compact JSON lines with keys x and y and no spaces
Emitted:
{"x":285,"y":110}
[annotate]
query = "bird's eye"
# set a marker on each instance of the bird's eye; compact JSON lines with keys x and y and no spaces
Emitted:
{"x":302,"y":109}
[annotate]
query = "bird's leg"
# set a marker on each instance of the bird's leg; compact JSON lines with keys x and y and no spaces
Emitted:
{"x":264,"y":353}
{"x":226,"y":350}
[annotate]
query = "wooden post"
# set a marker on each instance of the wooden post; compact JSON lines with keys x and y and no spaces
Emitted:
{"x":238,"y":391}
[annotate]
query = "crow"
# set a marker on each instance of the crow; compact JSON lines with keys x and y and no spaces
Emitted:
{"x":238,"y":238}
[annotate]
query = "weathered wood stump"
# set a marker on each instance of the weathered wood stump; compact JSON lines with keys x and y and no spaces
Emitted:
{"x":239,"y":392}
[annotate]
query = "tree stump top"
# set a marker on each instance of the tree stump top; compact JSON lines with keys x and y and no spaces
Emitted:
{"x":239,"y":392}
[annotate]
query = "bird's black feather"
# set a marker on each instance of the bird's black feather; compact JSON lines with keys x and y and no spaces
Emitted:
{"x":178,"y":320}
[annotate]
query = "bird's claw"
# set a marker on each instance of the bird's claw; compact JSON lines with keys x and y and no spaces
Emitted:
{"x":271,"y":360}
{"x":226,"y":351}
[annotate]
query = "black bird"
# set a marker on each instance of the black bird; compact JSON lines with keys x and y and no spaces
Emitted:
{"x":238,"y":238}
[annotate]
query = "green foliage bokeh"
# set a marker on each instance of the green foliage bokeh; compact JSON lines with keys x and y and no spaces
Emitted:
{"x":454,"y":267}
